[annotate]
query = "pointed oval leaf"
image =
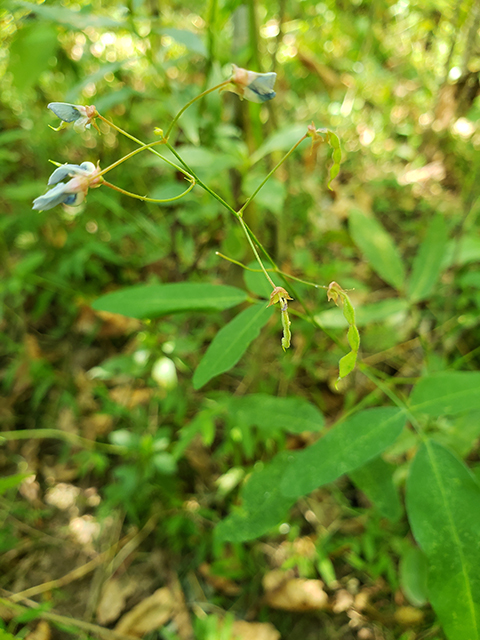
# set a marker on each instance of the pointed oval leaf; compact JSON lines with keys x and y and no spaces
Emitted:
{"x":413,"y":576}
{"x":449,"y":392}
{"x":427,"y":265}
{"x":443,"y":506}
{"x":156,"y":300}
{"x":378,"y":247}
{"x":343,"y":449}
{"x":231,"y":342}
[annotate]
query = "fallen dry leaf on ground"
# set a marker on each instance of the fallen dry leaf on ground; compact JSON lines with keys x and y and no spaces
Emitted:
{"x":112,"y":601}
{"x":293,"y":594}
{"x":150,"y":614}
{"x":181,"y":615}
{"x":41,"y":632}
{"x":242,"y":630}
{"x":219,"y":583}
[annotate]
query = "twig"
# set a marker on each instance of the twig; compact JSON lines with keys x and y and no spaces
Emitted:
{"x":90,"y":627}
{"x":129,"y":542}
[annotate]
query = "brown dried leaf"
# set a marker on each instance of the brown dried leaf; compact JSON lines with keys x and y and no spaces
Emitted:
{"x":115,"y":325}
{"x":219,"y":583}
{"x":149,"y":615}
{"x":343,"y":601}
{"x":293,"y":594}
{"x":125,"y":396}
{"x":181,"y":615}
{"x":242,"y":630}
{"x":98,"y":424}
{"x":112,"y":600}
{"x":41,"y":632}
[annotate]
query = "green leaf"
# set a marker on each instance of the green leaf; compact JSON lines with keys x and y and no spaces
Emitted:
{"x":446,"y":393}
{"x":334,"y":142}
{"x":231,"y":342}
{"x":256,"y":282}
{"x":271,"y":414}
{"x":343,"y":449}
{"x":413,"y":576}
{"x":428,"y":261}
{"x":383,"y":311}
{"x":11,"y":481}
{"x":378,"y":247}
{"x":271,"y":196}
{"x":263,"y":504}
{"x":443,"y":506}
{"x":282,"y":140}
{"x":189,"y":39}
{"x":347,"y":364}
{"x":156,"y":300}
{"x":76,"y":20}
{"x":30,"y":53}
{"x":376,"y":482}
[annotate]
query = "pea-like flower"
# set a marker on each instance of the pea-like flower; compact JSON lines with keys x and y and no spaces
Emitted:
{"x":255,"y":87}
{"x":73,"y":192}
{"x":81,"y":116}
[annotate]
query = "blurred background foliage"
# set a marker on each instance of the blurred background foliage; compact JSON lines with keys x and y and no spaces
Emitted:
{"x":398,"y":82}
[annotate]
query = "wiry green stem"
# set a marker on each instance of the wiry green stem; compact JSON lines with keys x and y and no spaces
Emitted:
{"x":200,"y":95}
{"x":269,"y":174}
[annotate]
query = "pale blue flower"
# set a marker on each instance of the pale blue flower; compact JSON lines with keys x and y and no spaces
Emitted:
{"x":72,"y":192}
{"x":255,"y":87}
{"x":81,"y":116}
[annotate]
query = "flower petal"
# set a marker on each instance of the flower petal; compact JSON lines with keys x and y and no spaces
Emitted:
{"x":89,"y":167}
{"x":261,"y":88}
{"x":65,"y":111}
{"x":50,"y":199}
{"x":71,"y":170}
{"x":65,"y":171}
